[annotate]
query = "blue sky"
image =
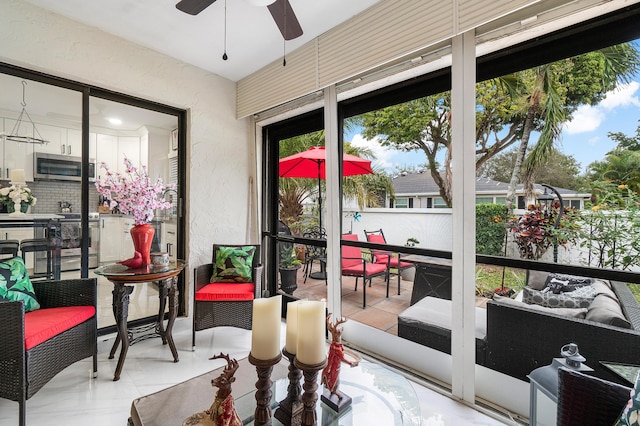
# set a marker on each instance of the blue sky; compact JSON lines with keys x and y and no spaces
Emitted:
{"x":584,"y":137}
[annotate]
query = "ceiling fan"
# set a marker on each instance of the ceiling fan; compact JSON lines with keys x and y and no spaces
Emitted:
{"x":281,"y":11}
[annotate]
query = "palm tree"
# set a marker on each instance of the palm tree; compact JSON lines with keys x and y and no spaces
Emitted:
{"x":552,"y":92}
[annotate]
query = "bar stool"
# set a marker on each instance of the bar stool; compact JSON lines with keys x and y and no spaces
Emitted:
{"x":36,"y":245}
{"x":9,"y":247}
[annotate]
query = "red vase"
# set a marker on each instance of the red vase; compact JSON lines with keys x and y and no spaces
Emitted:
{"x":142,"y":236}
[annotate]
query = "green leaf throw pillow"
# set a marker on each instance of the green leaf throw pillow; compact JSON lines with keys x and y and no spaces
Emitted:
{"x":631,"y":414}
{"x":15,"y":284}
{"x":233,"y":264}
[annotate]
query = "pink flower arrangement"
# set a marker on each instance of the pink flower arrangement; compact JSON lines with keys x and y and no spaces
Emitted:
{"x":133,"y":192}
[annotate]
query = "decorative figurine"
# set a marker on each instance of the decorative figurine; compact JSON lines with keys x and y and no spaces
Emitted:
{"x":331,"y":373}
{"x":222,"y":412}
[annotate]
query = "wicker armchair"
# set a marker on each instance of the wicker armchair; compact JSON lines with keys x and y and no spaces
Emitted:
{"x":586,"y":400}
{"x":25,"y":372}
{"x":227,"y":309}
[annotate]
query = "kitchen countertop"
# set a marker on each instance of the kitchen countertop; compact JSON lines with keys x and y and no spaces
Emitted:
{"x":6,"y":217}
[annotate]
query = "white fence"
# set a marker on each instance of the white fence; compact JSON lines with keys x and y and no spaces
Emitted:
{"x":433,"y":228}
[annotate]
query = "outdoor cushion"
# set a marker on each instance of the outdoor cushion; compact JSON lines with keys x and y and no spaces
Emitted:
{"x":565,"y":312}
{"x":606,"y":310}
{"x":631,"y":413}
{"x":370,"y":268}
{"x":43,"y":324}
{"x":576,"y":299}
{"x":536,"y":279}
{"x":233,"y":264}
{"x":433,"y":311}
{"x":15,"y":284}
{"x":565,"y":283}
{"x":227,"y":292}
{"x":394,"y":262}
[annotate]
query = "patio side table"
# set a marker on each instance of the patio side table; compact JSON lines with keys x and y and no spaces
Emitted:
{"x":120,"y":276}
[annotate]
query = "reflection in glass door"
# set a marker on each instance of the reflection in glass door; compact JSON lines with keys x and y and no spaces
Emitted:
{"x":147,"y":139}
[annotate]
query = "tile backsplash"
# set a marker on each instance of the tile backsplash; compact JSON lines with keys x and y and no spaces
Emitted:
{"x":49,"y":193}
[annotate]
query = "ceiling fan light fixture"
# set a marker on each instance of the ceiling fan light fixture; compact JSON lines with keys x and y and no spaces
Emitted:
{"x":261,"y":2}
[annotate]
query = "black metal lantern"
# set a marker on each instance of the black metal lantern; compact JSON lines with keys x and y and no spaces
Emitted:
{"x":544,"y":385}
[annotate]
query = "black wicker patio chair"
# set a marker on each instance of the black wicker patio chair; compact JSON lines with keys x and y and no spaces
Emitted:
{"x":230,"y":301}
{"x":587,"y":400}
{"x":25,"y":372}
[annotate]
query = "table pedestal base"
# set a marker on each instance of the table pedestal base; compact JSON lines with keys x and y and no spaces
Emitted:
{"x":167,"y":289}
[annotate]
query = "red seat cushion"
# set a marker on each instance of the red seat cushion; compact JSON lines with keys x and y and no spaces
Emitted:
{"x":394,"y":263}
{"x":371,"y":269}
{"x":43,"y":324}
{"x":228,"y":292}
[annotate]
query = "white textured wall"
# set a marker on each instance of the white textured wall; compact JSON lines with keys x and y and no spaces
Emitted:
{"x":220,"y":154}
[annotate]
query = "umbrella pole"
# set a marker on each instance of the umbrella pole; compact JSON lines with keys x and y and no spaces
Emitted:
{"x":319,"y":201}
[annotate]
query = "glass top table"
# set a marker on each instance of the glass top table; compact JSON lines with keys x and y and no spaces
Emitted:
{"x":166,"y":277}
{"x":379,"y":396}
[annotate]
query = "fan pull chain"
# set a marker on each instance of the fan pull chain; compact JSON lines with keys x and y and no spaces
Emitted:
{"x":284,"y":38}
{"x":224,"y":56}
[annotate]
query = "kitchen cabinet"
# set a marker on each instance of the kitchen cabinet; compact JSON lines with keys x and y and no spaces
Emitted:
{"x":17,"y":155}
{"x":74,"y":144}
{"x":110,"y":239}
{"x":107,"y":152}
{"x":170,"y":239}
{"x":115,"y":239}
{"x":64,"y":141}
{"x":113,"y":149}
{"x":57,"y":137}
{"x":129,"y":147}
{"x":126,"y":248}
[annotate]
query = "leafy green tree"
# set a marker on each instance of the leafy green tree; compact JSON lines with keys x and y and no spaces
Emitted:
{"x":552,"y":92}
{"x":508,"y":110}
{"x":631,"y":143}
{"x":560,"y":170}
{"x":621,"y":165}
{"x":491,"y":229}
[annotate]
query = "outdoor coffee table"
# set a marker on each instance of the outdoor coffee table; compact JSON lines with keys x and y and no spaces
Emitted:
{"x":379,"y":396}
{"x":120,"y":276}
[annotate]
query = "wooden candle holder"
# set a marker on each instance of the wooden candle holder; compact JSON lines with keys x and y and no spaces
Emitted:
{"x":310,"y":386}
{"x":263,"y":388}
{"x":289,"y":411}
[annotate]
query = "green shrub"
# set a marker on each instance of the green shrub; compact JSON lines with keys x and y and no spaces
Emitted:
{"x":490,"y":228}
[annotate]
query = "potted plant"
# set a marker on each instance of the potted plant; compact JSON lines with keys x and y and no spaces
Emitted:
{"x":409,"y":274}
{"x":289,"y":265}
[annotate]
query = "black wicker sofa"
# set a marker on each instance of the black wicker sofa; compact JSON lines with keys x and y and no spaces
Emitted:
{"x":510,"y":340}
{"x":26,"y":362}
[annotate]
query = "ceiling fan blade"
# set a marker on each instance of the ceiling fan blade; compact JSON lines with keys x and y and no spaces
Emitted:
{"x":193,"y":7}
{"x":285,"y":18}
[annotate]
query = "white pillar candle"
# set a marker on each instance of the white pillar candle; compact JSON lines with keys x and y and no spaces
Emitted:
{"x":265,"y":332}
{"x":292,"y":327}
{"x":17,"y":175}
{"x":310,"y":349}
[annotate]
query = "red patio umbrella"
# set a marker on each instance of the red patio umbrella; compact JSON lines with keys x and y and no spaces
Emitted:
{"x":311,"y":164}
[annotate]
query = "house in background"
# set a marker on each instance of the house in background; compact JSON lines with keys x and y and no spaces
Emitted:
{"x":419,"y":190}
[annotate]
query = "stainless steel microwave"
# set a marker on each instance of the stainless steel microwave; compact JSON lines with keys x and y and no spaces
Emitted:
{"x":60,"y":167}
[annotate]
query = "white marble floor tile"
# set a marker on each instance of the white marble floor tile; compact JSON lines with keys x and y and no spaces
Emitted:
{"x":74,"y":398}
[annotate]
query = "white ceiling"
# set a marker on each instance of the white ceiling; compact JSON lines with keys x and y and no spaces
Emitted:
{"x":253,"y":39}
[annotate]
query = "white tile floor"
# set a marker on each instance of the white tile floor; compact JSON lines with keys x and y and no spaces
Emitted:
{"x":74,"y":398}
